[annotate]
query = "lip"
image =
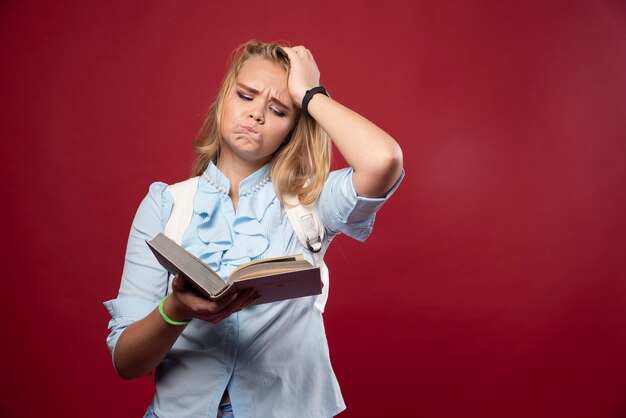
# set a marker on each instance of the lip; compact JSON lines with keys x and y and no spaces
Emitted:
{"x":249,"y":129}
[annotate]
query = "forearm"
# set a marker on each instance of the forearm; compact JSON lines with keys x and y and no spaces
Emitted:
{"x":144,"y":344}
{"x":373,"y":154}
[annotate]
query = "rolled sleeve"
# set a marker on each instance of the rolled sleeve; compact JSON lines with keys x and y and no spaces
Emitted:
{"x":144,"y":280}
{"x":125,"y":311}
{"x":343,"y":211}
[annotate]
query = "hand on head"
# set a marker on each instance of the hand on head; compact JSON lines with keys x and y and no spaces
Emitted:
{"x":303,"y":74}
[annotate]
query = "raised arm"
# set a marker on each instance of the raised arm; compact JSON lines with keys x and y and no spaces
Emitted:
{"x":374,"y":155}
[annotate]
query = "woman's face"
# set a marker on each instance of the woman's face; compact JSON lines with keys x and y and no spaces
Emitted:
{"x":258,"y":113}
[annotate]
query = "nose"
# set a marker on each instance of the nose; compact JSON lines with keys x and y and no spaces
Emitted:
{"x":257,"y":115}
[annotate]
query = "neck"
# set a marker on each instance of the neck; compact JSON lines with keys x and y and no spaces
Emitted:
{"x":236,"y":170}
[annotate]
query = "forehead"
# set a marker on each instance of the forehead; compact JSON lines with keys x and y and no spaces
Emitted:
{"x":262,"y":74}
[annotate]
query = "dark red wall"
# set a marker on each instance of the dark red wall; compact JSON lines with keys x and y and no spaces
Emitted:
{"x":494,"y":283}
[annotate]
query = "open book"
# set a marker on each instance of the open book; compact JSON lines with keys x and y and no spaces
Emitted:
{"x":273,"y":278}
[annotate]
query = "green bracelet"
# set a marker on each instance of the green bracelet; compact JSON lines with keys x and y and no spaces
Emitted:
{"x":167,"y":318}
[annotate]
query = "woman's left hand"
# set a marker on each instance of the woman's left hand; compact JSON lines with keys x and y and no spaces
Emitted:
{"x":303,"y":74}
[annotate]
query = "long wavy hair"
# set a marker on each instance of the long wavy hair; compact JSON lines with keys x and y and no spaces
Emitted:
{"x":301,"y":164}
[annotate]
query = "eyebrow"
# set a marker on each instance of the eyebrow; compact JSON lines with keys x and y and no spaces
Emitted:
{"x":255,"y":91}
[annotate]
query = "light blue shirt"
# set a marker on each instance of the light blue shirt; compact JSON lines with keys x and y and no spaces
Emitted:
{"x":273,"y":358}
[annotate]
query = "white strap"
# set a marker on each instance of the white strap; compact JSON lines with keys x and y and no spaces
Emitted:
{"x":303,"y":218}
{"x":183,"y":194}
{"x":180,"y":218}
{"x":320,"y":302}
{"x":310,"y":231}
{"x":305,"y":222}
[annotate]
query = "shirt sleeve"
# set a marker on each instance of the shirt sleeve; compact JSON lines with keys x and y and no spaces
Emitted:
{"x":144,"y":281}
{"x":343,"y":211}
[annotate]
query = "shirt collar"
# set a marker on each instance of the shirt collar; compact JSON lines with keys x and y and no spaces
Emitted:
{"x":245,"y":186}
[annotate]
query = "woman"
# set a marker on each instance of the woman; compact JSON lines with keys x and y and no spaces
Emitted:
{"x":264,"y":138}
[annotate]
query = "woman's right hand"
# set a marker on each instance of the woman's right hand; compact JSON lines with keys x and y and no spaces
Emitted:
{"x":144,"y":344}
{"x":184,"y":303}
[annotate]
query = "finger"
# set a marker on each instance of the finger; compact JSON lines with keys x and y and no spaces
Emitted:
{"x":244,"y":299}
{"x":215,"y":307}
{"x":291,"y":53}
{"x":178,"y":283}
{"x":223,"y":304}
{"x":302,"y":51}
{"x":241,"y":301}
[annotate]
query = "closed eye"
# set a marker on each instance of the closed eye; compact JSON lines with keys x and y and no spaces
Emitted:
{"x":278,"y":112}
{"x":244,"y":97}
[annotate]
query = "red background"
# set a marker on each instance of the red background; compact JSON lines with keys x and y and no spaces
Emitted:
{"x":494,"y":283}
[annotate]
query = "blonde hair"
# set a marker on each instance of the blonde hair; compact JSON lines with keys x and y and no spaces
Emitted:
{"x":301,"y":165}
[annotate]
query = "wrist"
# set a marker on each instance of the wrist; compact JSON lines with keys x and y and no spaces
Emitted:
{"x":308,"y":96}
{"x":172,"y":311}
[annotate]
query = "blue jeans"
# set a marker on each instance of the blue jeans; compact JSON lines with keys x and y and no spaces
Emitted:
{"x":225,"y":410}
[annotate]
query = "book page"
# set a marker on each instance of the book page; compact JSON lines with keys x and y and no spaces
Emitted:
{"x":269,"y":268}
{"x":251,"y":264}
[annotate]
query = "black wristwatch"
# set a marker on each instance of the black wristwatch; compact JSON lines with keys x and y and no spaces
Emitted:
{"x":309,"y":95}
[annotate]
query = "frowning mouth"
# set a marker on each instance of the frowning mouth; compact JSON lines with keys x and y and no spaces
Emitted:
{"x":249,"y":129}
